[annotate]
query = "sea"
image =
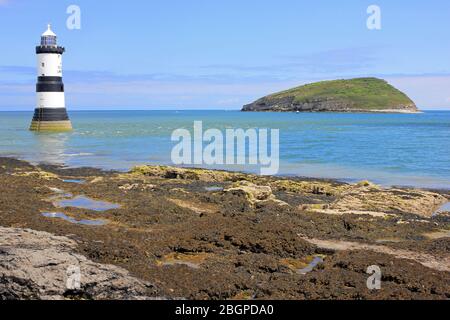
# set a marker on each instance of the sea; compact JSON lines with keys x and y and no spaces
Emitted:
{"x":388,"y":149}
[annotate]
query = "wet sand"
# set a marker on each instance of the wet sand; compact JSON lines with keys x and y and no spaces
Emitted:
{"x":200,"y":234}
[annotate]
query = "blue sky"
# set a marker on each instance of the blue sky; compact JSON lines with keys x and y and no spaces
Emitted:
{"x":179,"y":54}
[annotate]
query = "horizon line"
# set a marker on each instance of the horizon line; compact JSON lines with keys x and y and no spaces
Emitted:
{"x":96,"y":110}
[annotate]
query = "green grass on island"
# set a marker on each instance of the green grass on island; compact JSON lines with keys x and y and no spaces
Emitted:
{"x":353,"y":94}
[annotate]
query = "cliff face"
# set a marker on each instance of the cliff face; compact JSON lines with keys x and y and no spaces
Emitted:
{"x":355,"y":95}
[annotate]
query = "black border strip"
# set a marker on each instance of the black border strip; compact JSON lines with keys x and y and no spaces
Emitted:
{"x":283,"y":310}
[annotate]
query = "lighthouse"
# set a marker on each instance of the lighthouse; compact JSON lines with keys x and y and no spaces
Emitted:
{"x":50,"y":113}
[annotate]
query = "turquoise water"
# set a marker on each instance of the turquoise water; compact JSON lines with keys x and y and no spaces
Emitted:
{"x":391,"y":149}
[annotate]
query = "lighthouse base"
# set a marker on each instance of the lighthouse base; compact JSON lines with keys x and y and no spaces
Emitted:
{"x":50,"y":119}
{"x":53,"y":126}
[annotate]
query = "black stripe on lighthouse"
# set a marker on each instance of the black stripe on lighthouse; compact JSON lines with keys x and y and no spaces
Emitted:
{"x":50,"y":84}
{"x":50,"y":114}
{"x":45,"y":49}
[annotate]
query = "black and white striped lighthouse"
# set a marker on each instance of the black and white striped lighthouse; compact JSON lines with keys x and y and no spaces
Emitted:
{"x":50,"y":113}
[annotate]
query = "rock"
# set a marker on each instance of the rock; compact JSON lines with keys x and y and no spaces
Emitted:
{"x":137,"y":186}
{"x":368,"y":184}
{"x":252,"y":192}
{"x":307,"y":187}
{"x":40,"y":174}
{"x":368,"y":198}
{"x":96,"y":180}
{"x":39,"y":265}
{"x":128,"y":187}
{"x":186,"y":173}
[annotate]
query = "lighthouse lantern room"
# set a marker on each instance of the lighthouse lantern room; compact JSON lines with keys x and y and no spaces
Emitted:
{"x":50,"y":113}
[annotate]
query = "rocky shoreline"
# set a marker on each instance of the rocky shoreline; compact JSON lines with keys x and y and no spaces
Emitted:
{"x":202,"y":234}
{"x":288,"y":104}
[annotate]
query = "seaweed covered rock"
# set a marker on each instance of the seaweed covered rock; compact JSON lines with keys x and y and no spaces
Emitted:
{"x":368,"y":198}
{"x":252,"y":192}
{"x":166,"y":172}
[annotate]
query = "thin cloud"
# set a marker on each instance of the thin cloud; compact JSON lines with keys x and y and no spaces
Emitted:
{"x":102,"y":89}
{"x":17,"y":69}
{"x":87,"y":76}
{"x":325,"y":62}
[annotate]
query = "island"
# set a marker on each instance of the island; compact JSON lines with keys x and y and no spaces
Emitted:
{"x":352,"y":95}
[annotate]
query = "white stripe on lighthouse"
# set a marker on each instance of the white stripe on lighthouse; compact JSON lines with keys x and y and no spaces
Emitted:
{"x":50,"y":100}
{"x":49,"y":65}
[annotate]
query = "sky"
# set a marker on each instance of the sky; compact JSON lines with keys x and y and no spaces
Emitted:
{"x":222,"y":54}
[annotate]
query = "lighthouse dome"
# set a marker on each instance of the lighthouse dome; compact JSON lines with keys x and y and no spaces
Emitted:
{"x":48,"y":38}
{"x":49,"y":32}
